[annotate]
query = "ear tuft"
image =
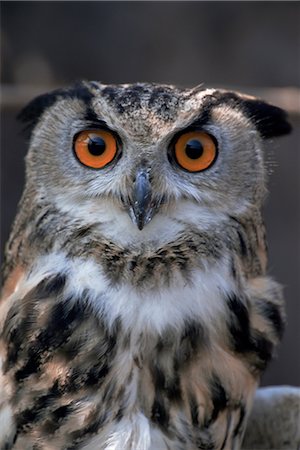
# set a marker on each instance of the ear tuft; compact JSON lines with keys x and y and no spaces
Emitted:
{"x":269,"y":120}
{"x":31,"y":113}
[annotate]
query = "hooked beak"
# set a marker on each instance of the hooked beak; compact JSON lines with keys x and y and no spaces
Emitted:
{"x":142,"y":209}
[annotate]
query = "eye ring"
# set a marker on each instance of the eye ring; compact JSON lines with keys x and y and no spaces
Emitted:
{"x":95,"y":148}
{"x":195,"y":151}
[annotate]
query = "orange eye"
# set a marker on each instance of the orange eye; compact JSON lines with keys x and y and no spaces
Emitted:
{"x":95,"y":148}
{"x":195,"y":151}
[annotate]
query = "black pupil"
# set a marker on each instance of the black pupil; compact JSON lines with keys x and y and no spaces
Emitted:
{"x":194,"y":149}
{"x":96,"y":145}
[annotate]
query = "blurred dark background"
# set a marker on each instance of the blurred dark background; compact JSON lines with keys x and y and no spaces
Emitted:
{"x":250,"y":46}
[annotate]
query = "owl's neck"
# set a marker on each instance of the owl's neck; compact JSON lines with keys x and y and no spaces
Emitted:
{"x":187,"y":236}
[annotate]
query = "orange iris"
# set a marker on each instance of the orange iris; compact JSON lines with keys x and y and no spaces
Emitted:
{"x":95,"y":148}
{"x":195,"y":151}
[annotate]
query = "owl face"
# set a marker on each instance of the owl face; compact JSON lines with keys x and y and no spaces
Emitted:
{"x":144,"y":153}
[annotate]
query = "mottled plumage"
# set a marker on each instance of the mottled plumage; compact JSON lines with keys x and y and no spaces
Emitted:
{"x":127,"y":331}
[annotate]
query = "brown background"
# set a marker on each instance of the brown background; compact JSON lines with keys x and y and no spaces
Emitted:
{"x":252,"y":46}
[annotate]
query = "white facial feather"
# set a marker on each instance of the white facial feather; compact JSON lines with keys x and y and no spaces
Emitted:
{"x":114,"y":223}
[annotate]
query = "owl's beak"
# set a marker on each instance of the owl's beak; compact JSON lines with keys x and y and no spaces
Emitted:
{"x":141,"y":210}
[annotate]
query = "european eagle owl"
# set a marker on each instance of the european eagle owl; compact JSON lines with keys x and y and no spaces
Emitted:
{"x":136,"y":310}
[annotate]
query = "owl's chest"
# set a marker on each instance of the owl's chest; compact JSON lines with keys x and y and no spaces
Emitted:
{"x":119,"y":359}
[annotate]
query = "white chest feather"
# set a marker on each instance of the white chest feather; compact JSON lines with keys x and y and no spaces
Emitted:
{"x":201,"y":297}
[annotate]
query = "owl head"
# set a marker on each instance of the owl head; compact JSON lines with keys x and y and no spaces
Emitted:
{"x":148,"y":154}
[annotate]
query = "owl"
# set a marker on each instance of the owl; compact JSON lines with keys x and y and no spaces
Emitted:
{"x":136,"y":311}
